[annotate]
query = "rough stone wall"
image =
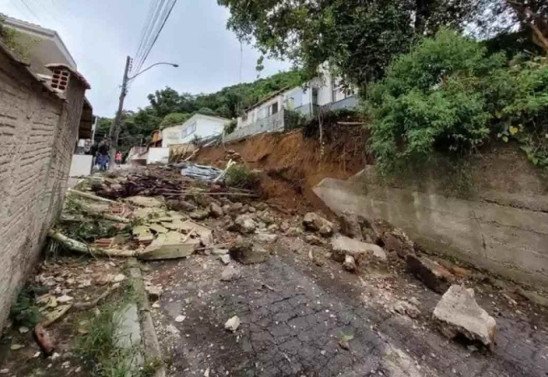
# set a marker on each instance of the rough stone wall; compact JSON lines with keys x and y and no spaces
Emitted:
{"x":500,"y":225}
{"x":38,"y":132}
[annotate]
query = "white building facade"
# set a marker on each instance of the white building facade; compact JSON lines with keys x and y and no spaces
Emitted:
{"x":199,"y":126}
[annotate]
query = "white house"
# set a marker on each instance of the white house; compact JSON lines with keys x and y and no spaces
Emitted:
{"x":324,"y":91}
{"x":199,"y":126}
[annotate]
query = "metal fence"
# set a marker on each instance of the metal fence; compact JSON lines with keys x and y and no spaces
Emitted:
{"x":273,"y":123}
{"x":280,"y":121}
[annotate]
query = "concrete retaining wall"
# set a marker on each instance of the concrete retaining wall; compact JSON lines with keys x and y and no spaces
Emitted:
{"x":502,"y":226}
{"x":38,"y":134}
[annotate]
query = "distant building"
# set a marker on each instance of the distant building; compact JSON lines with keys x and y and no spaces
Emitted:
{"x":269,"y":115}
{"x":199,"y":127}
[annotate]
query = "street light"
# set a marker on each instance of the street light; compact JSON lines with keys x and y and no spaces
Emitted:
{"x":114,"y":131}
{"x":153,"y":65}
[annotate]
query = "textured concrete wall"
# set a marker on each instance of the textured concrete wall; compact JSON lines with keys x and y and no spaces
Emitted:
{"x":501,"y":225}
{"x":38,"y":133}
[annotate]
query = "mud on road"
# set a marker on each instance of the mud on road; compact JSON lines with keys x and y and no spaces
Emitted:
{"x":295,"y":314}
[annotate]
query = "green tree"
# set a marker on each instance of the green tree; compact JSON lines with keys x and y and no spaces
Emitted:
{"x":449,"y":95}
{"x":173,"y":119}
{"x":358,"y":37}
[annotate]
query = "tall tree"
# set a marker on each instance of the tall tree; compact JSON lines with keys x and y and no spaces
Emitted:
{"x":359,"y":37}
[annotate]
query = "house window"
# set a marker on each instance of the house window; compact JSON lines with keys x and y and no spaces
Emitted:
{"x":274,"y":108}
{"x":188,"y":130}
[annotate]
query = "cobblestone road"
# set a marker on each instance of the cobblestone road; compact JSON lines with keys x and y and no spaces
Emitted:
{"x":294,"y":315}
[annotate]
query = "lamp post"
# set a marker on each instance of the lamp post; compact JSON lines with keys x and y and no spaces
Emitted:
{"x":116,"y":125}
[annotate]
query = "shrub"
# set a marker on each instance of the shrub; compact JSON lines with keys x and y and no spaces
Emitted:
{"x":230,"y":127}
{"x":240,"y":176}
{"x":448,"y":95}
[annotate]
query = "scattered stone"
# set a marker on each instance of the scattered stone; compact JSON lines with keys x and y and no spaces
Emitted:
{"x":154,"y":292}
{"x":199,"y":214}
{"x":245,"y":224}
{"x":23,"y":330}
{"x":4,"y":371}
{"x":232,"y":324}
{"x":180,"y":318}
{"x":230,"y":273}
{"x":220,"y":251}
{"x":44,"y":340}
{"x":246,"y":252}
{"x":432,"y":274}
{"x":315,"y":223}
{"x":273,"y":228}
{"x":294,"y":232}
{"x":458,"y":313}
{"x":265,"y":237}
{"x":407,"y":308}
{"x":117,"y":279}
{"x":64,"y":299}
{"x":349,"y":263}
{"x":313,"y":240}
{"x":216,"y":210}
{"x":284,"y":226}
{"x":142,"y":233}
{"x":181,"y":205}
{"x":236,"y":207}
{"x":225,"y":259}
{"x":16,"y":347}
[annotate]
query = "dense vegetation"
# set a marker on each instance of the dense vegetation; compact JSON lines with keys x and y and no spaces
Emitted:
{"x":168,"y":107}
{"x":449,"y":95}
{"x":426,"y":87}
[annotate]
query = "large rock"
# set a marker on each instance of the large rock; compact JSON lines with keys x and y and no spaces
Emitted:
{"x":315,"y":223}
{"x":216,"y":210}
{"x":342,"y":246}
{"x":246,"y":252}
{"x":432,"y":274}
{"x":458,"y":313}
{"x":245,"y":224}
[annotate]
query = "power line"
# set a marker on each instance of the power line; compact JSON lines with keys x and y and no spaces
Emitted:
{"x":153,"y":14}
{"x":157,"y":23}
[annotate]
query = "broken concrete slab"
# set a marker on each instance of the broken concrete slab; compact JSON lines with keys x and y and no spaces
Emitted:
{"x":225,"y":259}
{"x":142,"y":233}
{"x":246,"y":252}
{"x":458,"y":313}
{"x":170,"y":245}
{"x":157,"y":228}
{"x":145,"y":201}
{"x":204,"y":233}
{"x":432,"y":274}
{"x":342,"y":246}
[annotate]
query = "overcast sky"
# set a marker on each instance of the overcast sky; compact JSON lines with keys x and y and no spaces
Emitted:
{"x":101,"y":33}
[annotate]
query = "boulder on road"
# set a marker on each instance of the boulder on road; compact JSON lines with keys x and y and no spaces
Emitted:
{"x":246,"y":252}
{"x":432,"y":274}
{"x":315,"y":223}
{"x":458,"y":313}
{"x":343,"y":246}
{"x":245,"y":224}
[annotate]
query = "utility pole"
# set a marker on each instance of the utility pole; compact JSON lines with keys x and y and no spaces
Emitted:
{"x":116,"y":125}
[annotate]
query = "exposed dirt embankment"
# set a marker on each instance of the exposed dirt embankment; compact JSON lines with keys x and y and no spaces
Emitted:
{"x":292,"y":164}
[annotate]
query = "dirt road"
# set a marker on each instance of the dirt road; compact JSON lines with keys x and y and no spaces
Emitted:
{"x":295,"y":313}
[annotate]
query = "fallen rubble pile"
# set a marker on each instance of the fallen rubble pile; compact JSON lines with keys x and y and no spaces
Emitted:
{"x":162,"y":214}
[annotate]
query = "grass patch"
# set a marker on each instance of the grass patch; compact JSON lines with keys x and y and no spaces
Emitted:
{"x":99,"y":348}
{"x":240,"y":176}
{"x":24,"y":311}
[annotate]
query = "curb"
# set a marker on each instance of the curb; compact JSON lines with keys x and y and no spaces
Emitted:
{"x":148,"y":332}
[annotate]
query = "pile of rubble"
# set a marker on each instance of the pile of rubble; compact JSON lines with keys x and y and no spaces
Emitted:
{"x":164,"y":215}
